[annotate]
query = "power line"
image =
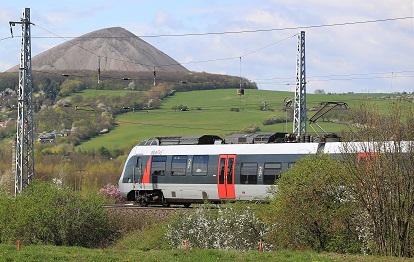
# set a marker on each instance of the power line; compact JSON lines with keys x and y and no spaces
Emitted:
{"x":193,"y":62}
{"x":57,"y":36}
{"x":93,"y":53}
{"x":281,"y":81}
{"x":218,"y":33}
{"x":248,"y":31}
{"x":363,"y":74}
{"x":354,"y":76}
{"x":264,"y":47}
{"x":287,"y":82}
{"x":5,"y":38}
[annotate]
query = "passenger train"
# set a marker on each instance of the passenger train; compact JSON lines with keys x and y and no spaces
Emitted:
{"x":186,"y":170}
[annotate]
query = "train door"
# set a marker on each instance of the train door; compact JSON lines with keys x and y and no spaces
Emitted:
{"x":136,"y":175}
{"x":225,"y":176}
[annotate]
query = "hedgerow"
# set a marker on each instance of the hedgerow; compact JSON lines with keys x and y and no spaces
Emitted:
{"x":54,"y":215}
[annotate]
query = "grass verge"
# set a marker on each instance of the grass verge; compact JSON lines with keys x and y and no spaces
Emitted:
{"x":53,"y":253}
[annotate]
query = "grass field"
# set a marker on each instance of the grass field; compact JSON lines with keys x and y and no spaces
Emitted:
{"x":87,"y":93}
{"x":210,"y":112}
{"x":53,"y":253}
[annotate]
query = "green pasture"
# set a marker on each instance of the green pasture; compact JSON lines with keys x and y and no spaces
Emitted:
{"x":87,"y":93}
{"x":213,"y":112}
{"x":10,"y":252}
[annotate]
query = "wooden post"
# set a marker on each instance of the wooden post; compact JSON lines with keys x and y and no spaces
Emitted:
{"x":185,"y":244}
{"x":261,"y":245}
{"x":19,"y":242}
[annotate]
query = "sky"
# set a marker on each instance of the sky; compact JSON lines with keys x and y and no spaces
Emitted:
{"x":345,"y":52}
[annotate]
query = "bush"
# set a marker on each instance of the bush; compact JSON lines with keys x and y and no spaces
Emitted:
{"x":250,"y":129}
{"x":273,"y":120}
{"x":220,"y":228}
{"x":49,"y":214}
{"x":311,"y":209}
{"x":112,"y":193}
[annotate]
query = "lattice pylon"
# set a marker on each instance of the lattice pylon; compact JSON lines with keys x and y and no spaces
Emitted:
{"x":299,"y":118}
{"x":24,"y":171}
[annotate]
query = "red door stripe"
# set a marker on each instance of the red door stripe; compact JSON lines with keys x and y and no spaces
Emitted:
{"x":146,"y":177}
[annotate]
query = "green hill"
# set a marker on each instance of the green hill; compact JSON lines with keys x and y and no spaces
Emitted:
{"x":220,"y":112}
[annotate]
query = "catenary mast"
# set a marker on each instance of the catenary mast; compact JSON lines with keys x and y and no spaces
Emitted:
{"x":24,"y":170}
{"x":299,"y":117}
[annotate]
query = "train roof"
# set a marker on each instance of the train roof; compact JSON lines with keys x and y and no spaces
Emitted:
{"x":253,"y":138}
{"x":182,"y":140}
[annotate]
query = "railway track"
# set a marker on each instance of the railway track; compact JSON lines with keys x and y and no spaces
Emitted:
{"x":149,"y":208}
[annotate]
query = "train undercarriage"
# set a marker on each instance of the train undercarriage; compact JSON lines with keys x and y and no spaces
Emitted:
{"x":152,"y":197}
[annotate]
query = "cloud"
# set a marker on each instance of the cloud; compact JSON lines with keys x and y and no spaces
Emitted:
{"x":165,"y":20}
{"x":336,"y":50}
{"x":6,"y":15}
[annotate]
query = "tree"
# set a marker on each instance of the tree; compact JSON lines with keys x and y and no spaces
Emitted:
{"x":310,"y":209}
{"x":319,"y":92}
{"x":383,"y":180}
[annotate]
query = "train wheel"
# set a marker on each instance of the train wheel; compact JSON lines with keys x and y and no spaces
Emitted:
{"x":142,"y":201}
{"x":165,"y":203}
{"x":187,"y":205}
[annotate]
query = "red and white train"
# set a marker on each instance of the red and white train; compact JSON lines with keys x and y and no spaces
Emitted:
{"x":185,"y":170}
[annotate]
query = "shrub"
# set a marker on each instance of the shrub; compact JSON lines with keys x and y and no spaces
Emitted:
{"x":112,"y":193}
{"x":311,"y":209}
{"x":180,"y":108}
{"x":50,"y":214}
{"x":219,"y":228}
{"x":273,"y":120}
{"x":250,"y":129}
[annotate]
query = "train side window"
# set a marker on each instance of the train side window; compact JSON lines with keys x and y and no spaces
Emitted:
{"x":272,"y":172}
{"x":221,"y":170}
{"x":200,"y":165}
{"x":137,"y":171}
{"x":230,"y":171}
{"x":178,"y":165}
{"x":129,"y":170}
{"x":248,"y":173}
{"x":158,"y":165}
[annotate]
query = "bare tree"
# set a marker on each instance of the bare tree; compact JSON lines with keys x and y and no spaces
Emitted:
{"x":381,"y":181}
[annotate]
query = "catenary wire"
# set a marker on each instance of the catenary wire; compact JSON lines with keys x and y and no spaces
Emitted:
{"x":246,"y":54}
{"x":250,"y":31}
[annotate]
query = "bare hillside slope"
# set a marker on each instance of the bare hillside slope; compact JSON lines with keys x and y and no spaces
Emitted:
{"x":116,"y":48}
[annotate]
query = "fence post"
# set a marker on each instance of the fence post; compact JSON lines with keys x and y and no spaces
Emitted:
{"x":185,"y":244}
{"x":261,"y":245}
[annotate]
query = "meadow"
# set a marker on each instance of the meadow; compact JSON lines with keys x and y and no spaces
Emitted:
{"x":219,"y":112}
{"x":53,"y":253}
{"x":87,"y":93}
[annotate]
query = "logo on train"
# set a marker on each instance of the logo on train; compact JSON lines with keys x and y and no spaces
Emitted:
{"x":157,"y":152}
